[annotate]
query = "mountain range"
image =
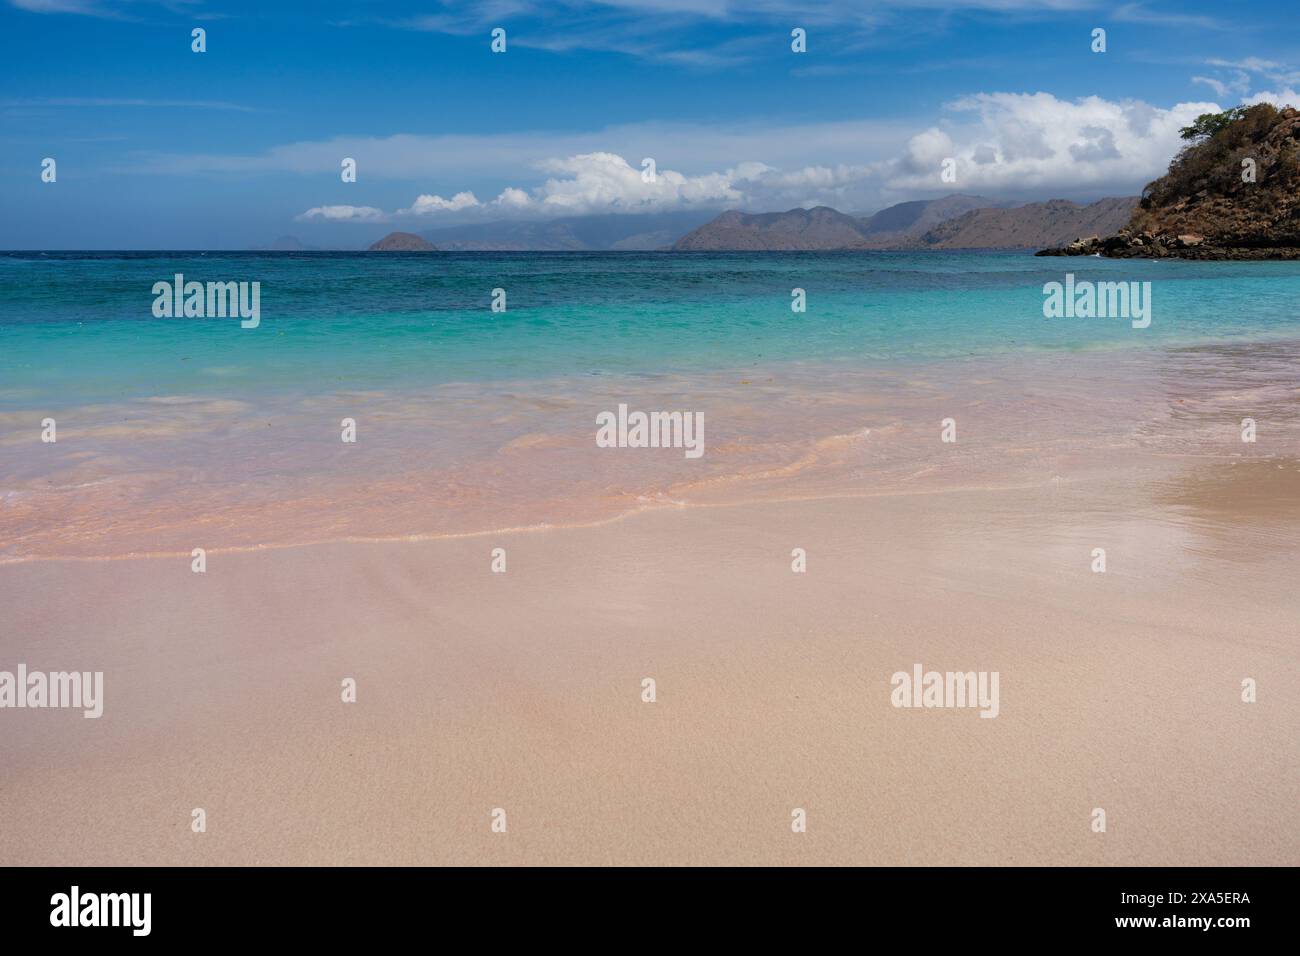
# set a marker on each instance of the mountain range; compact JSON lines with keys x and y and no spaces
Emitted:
{"x":953,"y":222}
{"x":950,"y":222}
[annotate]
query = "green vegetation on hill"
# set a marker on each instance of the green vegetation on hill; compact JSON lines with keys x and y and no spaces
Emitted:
{"x":1212,"y":162}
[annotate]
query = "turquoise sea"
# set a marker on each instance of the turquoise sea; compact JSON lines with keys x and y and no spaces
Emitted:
{"x":77,"y":327}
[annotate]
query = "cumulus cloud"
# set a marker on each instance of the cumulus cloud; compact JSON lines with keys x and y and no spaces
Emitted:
{"x":512,"y":198}
{"x":1016,"y":145}
{"x":1283,"y":97}
{"x":426,"y":204}
{"x":1016,"y":142}
{"x":606,"y":181}
{"x":343,"y":214}
{"x":601,"y":182}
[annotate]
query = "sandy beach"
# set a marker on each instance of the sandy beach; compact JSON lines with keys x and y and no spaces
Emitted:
{"x":523,"y":690}
{"x":628,"y":433}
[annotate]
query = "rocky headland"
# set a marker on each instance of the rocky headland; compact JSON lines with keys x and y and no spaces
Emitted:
{"x":1232,"y":193}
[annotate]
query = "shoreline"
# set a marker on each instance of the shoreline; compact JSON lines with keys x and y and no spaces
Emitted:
{"x":398,"y":539}
{"x":171,"y":475}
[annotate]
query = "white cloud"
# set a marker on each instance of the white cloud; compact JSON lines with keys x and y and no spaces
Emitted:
{"x":595,"y":182}
{"x":343,"y":214}
{"x":1035,"y":142}
{"x":1015,"y":145}
{"x":513,"y":198}
{"x":927,"y":150}
{"x":605,"y":182}
{"x":1283,"y":97}
{"x":426,"y":204}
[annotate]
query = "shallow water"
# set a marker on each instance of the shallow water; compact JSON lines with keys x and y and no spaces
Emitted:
{"x":183,"y":433}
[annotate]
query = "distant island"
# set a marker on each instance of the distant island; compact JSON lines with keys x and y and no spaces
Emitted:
{"x":402,"y":242}
{"x":1232,"y":193}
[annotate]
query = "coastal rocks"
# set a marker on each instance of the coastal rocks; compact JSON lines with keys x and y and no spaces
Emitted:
{"x":1079,"y":247}
{"x":1234,"y":193}
{"x":1145,"y":245}
{"x":1121,"y":245}
{"x":1032,"y":225}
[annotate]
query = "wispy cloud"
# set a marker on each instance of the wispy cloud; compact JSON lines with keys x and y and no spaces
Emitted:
{"x":1141,"y":13}
{"x":105,"y":9}
{"x":709,"y":34}
{"x":1234,"y":80}
{"x":74,"y":102}
{"x":1229,"y":89}
{"x":453,"y":158}
{"x":86,"y":8}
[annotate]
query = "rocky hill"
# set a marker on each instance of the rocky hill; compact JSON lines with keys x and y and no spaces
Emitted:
{"x":403,"y":242}
{"x":953,"y":222}
{"x":902,"y":224}
{"x":1031,"y":226}
{"x":797,"y":229}
{"x":1232,"y":193}
{"x":823,"y":228}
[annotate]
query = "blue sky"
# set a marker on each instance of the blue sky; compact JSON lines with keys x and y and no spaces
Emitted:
{"x":161,"y":147}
